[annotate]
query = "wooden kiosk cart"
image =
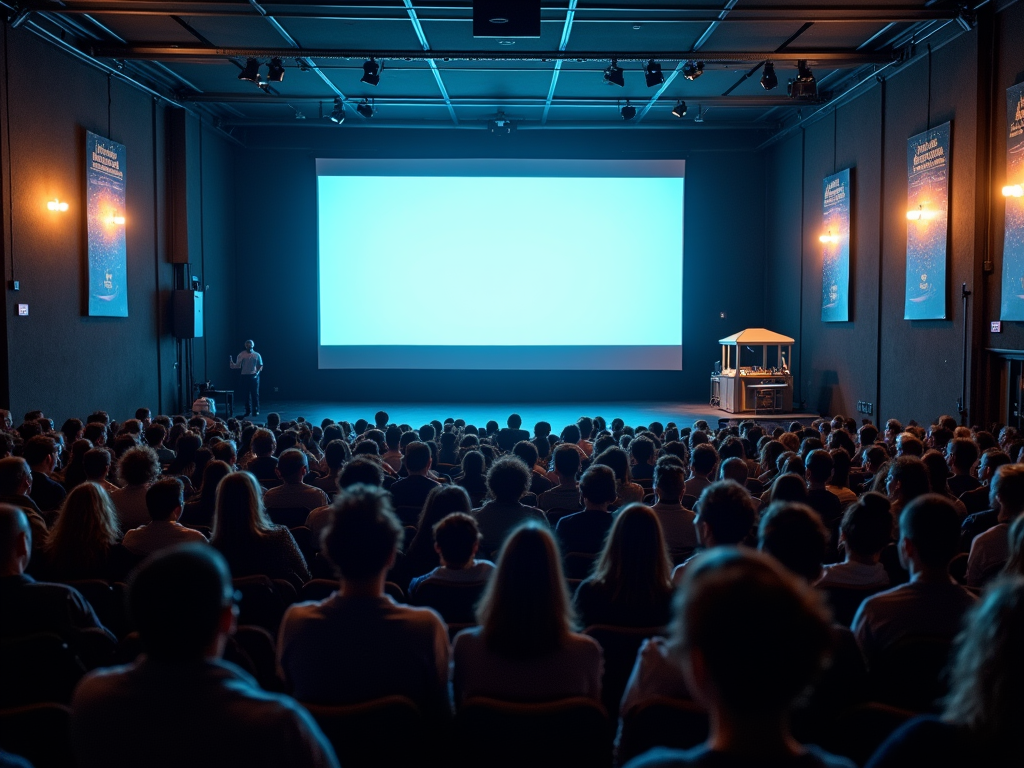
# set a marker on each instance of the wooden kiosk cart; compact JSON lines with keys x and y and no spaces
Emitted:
{"x":762,"y":386}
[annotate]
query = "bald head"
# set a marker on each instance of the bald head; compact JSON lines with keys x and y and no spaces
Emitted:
{"x":15,"y":541}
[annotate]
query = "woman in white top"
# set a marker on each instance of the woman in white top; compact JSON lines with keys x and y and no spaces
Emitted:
{"x":525,"y":649}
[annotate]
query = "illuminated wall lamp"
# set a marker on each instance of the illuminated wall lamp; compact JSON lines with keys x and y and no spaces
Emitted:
{"x":829,"y":238}
{"x":56,"y":205}
{"x":118,"y":220}
{"x":921,"y":214}
{"x":1013,"y":190}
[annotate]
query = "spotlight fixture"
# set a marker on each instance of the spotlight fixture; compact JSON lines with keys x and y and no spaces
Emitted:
{"x":613,"y":75}
{"x":628,"y":112}
{"x":365,"y":109}
{"x":679,"y":110}
{"x":275,"y":72}
{"x":60,"y":205}
{"x":371,"y":72}
{"x":302,"y":64}
{"x":805,"y":85}
{"x":251,"y":71}
{"x":692,"y":70}
{"x":338,"y":114}
{"x":769,"y":80}
{"x":501,"y":125}
{"x":1010,"y":190}
{"x":652,"y":73}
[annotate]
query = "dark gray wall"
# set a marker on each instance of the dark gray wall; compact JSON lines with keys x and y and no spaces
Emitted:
{"x":59,"y":359}
{"x":276,"y":223}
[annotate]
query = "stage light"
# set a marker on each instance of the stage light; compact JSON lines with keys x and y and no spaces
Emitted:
{"x":628,"y":112}
{"x":251,"y":71}
{"x":829,"y":238}
{"x":371,"y":72}
{"x":338,"y":114}
{"x":56,"y":205}
{"x":769,"y":80}
{"x":693,"y":70}
{"x":679,"y":110}
{"x":1013,"y":190}
{"x":805,"y":86}
{"x":501,"y":125}
{"x":613,"y":75}
{"x":652,"y":74}
{"x":365,"y":109}
{"x":275,"y":72}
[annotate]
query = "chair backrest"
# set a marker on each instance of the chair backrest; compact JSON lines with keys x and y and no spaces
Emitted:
{"x":318,"y":589}
{"x":844,"y":601}
{"x":37,"y":668}
{"x":557,"y":513}
{"x":689,"y":501}
{"x":262,"y":602}
{"x":455,"y":602}
{"x":620,"y":646}
{"x":410,"y":533}
{"x":41,"y":733}
{"x":290,"y":517}
{"x":569,"y":732}
{"x":384,"y":732}
{"x":395,"y":591}
{"x":108,"y":600}
{"x":911,"y":673}
{"x":307,"y":543}
{"x":408,"y":514}
{"x":661,"y":722}
{"x":859,"y":731}
{"x":578,"y":564}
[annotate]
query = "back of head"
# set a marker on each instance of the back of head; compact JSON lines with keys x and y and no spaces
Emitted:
{"x":85,"y":529}
{"x":963,"y":453}
{"x":139,"y":466}
{"x":912,"y":475}
{"x":525,"y":611}
{"x":380,"y":419}
{"x":441,"y":502}
{"x":239,"y":516}
{"x":634,"y":562}
{"x":669,"y":480}
{"x":789,"y":487}
{"x":362,"y":536}
{"x":456,"y":535}
{"x":731,"y":595}
{"x":795,"y":536}
{"x":176,"y":599}
{"x":567,"y":461}
{"x":932,"y":524}
{"x":508,"y":479}
{"x":473,"y":464}
{"x":392,"y":435}
{"x":291,"y":464}
{"x":38,"y":449}
{"x":597,"y":485}
{"x":617,"y":459}
{"x":13,"y":524}
{"x":515,"y":421}
{"x":867,"y":524}
{"x":728,"y":510}
{"x":163,"y":497}
{"x":13,"y":472}
{"x":360,"y":471}
{"x":734,"y":469}
{"x":1008,"y":486}
{"x":819,"y":465}
{"x":909,"y":445}
{"x":586,"y":425}
{"x":731,"y":447}
{"x":417,"y":456}
{"x":704,"y":458}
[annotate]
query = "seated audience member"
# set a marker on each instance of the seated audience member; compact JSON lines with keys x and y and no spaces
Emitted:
{"x":42,"y":454}
{"x":525,"y":649}
{"x":96,"y":464}
{"x":818,"y":467}
{"x":263,"y":465}
{"x":585,"y":531}
{"x":908,"y":444}
{"x":866,"y":529}
{"x":180,"y":704}
{"x":735,"y":468}
{"x":199,"y":510}
{"x":410,"y":492}
{"x":137,"y":469}
{"x":632,"y":581}
{"x":906,"y":479}
{"x":938,"y":472}
{"x":336,"y":453}
{"x":421,"y":556}
{"x":292,"y":466}
{"x":875,"y":457}
{"x":512,"y":434}
{"x":641,"y":454}
{"x":456,"y":541}
{"x":358,"y":644}
{"x":250,"y":543}
{"x":931,"y":604}
{"x":839,"y":483}
{"x":961,"y":453}
{"x":787,"y":487}
{"x":164,"y":502}
{"x":361,"y":470}
{"x":392,"y":456}
{"x":980,"y":721}
{"x":74,"y":474}
{"x":566,"y":494}
{"x":725,"y":516}
{"x":28,"y":606}
{"x":794,"y":535}
{"x":155,"y":436}
{"x":990,"y":550}
{"x":676,"y":520}
{"x":84,"y":542}
{"x":626,"y":491}
{"x":1015,"y":563}
{"x":529,"y":454}
{"x":507,"y":480}
{"x":474,"y":476}
{"x":186,"y":452}
{"x":978,"y":500}
{"x":703,"y":462}
{"x":15,"y":483}
{"x":729,"y":596}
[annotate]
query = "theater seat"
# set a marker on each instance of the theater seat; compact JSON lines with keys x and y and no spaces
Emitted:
{"x":859,"y":731}
{"x":41,"y":733}
{"x":578,"y":564}
{"x":264,"y":601}
{"x":661,"y":722}
{"x":381,"y":733}
{"x":307,"y":543}
{"x":108,"y":600}
{"x":844,"y":601}
{"x":289,"y":517}
{"x":37,"y":668}
{"x":911,"y":674}
{"x":318,"y":589}
{"x":455,"y":602}
{"x":620,"y":646}
{"x":569,"y":733}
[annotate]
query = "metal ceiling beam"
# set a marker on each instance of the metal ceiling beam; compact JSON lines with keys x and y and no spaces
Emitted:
{"x":422,"y":37}
{"x":665,"y":14}
{"x":479,"y":125}
{"x":170,"y":51}
{"x":435,"y":101}
{"x":570,"y":14}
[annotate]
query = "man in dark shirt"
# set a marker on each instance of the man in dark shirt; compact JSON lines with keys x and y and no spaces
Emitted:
{"x":641,"y":451}
{"x":819,"y":466}
{"x":585,"y":531}
{"x":15,"y":484}
{"x":512,"y":434}
{"x":527,"y":452}
{"x":41,"y":453}
{"x":977,"y":500}
{"x":961,"y":453}
{"x":410,"y":492}
{"x":264,"y":466}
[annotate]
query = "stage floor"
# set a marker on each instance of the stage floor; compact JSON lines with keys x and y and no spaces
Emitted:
{"x":634,"y":413}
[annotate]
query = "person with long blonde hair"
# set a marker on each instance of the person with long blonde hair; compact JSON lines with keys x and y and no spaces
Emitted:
{"x":84,"y":542}
{"x":525,"y":648}
{"x":250,"y":543}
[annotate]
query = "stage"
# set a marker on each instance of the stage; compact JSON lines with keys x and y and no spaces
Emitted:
{"x":634,"y":413}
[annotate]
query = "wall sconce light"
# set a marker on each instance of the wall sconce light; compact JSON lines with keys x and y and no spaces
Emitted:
{"x":56,"y":205}
{"x":117,"y":219}
{"x":829,"y":238}
{"x":1013,"y":190}
{"x":921,"y":214}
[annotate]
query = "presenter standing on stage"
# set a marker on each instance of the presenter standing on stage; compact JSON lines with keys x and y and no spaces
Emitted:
{"x":251,"y":364}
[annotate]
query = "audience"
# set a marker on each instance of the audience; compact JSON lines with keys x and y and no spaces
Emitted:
{"x":676,"y":521}
{"x":507,"y":480}
{"x":866,"y":529}
{"x":164,"y":503}
{"x":566,"y":494}
{"x":584,"y":532}
{"x":84,"y":542}
{"x":703,"y":463}
{"x":200,"y":508}
{"x":421,"y":556}
{"x":180,"y":704}
{"x":409,"y":493}
{"x":725,"y":516}
{"x":43,"y":456}
{"x":137,"y":469}
{"x":456,"y":542}
{"x":293,"y":493}
{"x":990,"y":550}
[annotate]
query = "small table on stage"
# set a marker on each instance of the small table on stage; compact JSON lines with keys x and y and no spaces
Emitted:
{"x":764,"y":392}
{"x":226,"y":396}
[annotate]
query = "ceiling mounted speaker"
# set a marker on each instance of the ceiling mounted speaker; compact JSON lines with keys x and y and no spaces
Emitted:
{"x":506,"y":18}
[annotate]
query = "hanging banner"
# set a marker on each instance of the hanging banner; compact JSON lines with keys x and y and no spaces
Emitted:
{"x":1013,"y":234}
{"x":104,"y":180}
{"x":835,"y":265}
{"x":927,"y":216}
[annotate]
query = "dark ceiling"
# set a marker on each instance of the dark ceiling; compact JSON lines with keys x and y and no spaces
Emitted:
{"x":435,"y":73}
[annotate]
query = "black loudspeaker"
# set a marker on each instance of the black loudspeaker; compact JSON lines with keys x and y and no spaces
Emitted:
{"x":506,"y":18}
{"x":188,"y":314}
